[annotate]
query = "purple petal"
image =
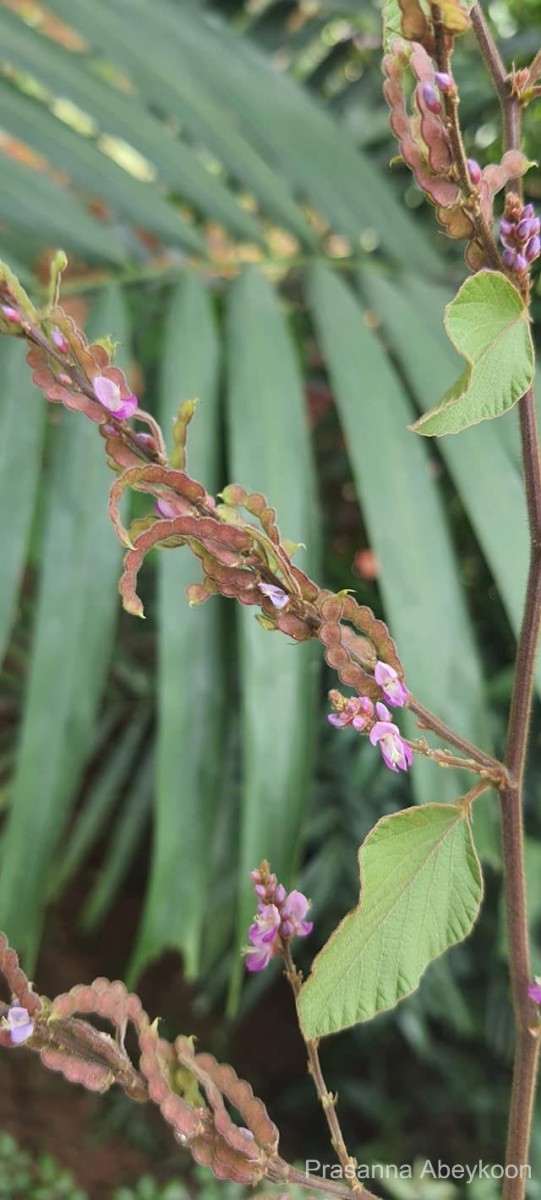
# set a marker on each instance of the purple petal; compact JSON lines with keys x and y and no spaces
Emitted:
{"x":276,"y":595}
{"x":60,"y":341}
{"x":381,"y":729}
{"x":533,"y":249}
{"x":296,"y":906}
{"x":521,"y":263}
{"x":444,"y":81}
{"x":108,"y":394}
{"x":382,"y":711}
{"x":20,"y":1025}
{"x":528,"y":210}
{"x":384,"y":674}
{"x":11,"y":314}
{"x":534,"y":992}
{"x":524,"y":229}
{"x":165,"y":508}
{"x":509,"y":257}
{"x":475,"y":170}
{"x":257,"y":960}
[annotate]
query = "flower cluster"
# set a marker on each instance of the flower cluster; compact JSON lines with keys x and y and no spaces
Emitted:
{"x":519,"y":233}
{"x":20,"y":1026}
{"x":280,"y":917}
{"x":365,"y":717}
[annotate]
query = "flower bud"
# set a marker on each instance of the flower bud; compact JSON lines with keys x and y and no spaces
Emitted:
{"x":430,"y":98}
{"x":444,"y":81}
{"x":475,"y":170}
{"x":533,"y":249}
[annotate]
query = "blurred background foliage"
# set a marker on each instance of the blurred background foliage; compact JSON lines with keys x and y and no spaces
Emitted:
{"x":219,"y":175}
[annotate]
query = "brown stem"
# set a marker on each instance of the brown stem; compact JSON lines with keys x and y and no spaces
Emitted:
{"x":429,"y":720}
{"x":326,"y":1098}
{"x":483,"y":232}
{"x":526,"y":1024}
{"x":316,"y":1184}
{"x":510,"y":105}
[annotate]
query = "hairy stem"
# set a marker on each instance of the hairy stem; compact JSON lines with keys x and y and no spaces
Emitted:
{"x":429,"y":720}
{"x":483,"y":232}
{"x":326,"y":1098}
{"x":527,"y":1028}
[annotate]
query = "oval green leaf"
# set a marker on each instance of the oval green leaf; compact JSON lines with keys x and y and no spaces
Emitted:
{"x":421,"y":887}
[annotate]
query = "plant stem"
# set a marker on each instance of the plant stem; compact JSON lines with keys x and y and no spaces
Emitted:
{"x":429,"y":720}
{"x":326,"y":1098}
{"x":483,"y":232}
{"x":527,"y":1027}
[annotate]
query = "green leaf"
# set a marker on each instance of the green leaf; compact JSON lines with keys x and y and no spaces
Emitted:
{"x":270,"y":451}
{"x":125,"y":117}
{"x":22,"y":422}
{"x":78,"y":156}
{"x":125,"y":837}
{"x":488,"y":322}
{"x":482,"y":463}
{"x":30,"y":200}
{"x":406,"y":523}
{"x":191,"y":699}
{"x":421,"y":888}
{"x":125,"y":39}
{"x":77,"y":609}
{"x":101,"y":799}
{"x":292,"y":130}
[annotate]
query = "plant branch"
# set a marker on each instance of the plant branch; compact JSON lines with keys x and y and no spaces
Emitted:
{"x":429,"y":720}
{"x":483,"y":232}
{"x":510,"y":104}
{"x":326,"y":1098}
{"x":527,"y":1028}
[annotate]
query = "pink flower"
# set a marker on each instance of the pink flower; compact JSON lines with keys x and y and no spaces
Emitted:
{"x":534,"y":991}
{"x":20,"y":1025}
{"x":108,"y":394}
{"x":395,"y":752}
{"x":395,"y":692}
{"x":294,"y":910}
{"x":275,"y":594}
{"x":264,"y":936}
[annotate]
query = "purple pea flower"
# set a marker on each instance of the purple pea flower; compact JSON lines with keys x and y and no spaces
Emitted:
{"x":534,"y":991}
{"x":294,"y":910}
{"x":20,"y":1025}
{"x":430,"y":98}
{"x":395,"y":692}
{"x":395,"y":752}
{"x":108,"y":394}
{"x":276,"y":595}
